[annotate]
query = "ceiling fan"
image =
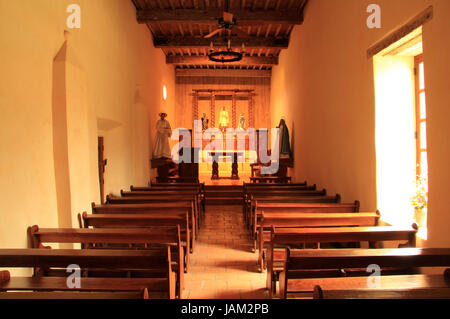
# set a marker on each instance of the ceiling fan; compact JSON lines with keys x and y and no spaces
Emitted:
{"x":227,"y":22}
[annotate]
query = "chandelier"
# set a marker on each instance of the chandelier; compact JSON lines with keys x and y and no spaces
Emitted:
{"x":225,"y":56}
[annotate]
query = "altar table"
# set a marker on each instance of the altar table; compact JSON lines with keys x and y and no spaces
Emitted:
{"x":234,"y":155}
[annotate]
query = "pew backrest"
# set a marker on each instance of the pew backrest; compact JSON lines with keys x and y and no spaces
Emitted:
{"x":70,"y":295}
{"x":319,"y":219}
{"x":308,"y":207}
{"x":143,"y":220}
{"x":344,"y":234}
{"x":368,"y":293}
{"x":86,"y":258}
{"x":361,"y":258}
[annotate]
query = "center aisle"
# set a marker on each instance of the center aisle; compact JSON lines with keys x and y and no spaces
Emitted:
{"x":223,"y":266}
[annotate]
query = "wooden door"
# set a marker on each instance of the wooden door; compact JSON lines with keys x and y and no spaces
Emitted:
{"x":101,"y":168}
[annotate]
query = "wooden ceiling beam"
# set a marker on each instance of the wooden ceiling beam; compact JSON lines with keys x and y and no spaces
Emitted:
{"x":250,"y":42}
{"x":204,"y":60}
{"x":211,"y":15}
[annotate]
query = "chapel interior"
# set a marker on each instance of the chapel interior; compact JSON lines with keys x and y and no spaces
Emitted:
{"x":225,"y":149}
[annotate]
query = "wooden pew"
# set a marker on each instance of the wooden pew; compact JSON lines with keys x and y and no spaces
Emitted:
{"x":97,"y":238}
{"x":292,"y":236}
{"x":200,"y":188}
{"x":262,"y":192}
{"x":57,"y":288}
{"x":253,"y":195}
{"x":179,"y":193}
{"x":354,"y":258}
{"x":158,"y":202}
{"x":271,"y":185}
{"x":157,"y":208}
{"x":291,"y":220}
{"x":164,"y":196}
{"x":92,"y":259}
{"x":74,"y":295}
{"x":249,"y":187}
{"x":161,"y":187}
{"x":251,"y":207}
{"x":176,"y":184}
{"x":169,"y":186}
{"x":308,"y":207}
{"x":143,"y":220}
{"x":383,"y":293}
{"x":176,"y":180}
{"x":271,"y":179}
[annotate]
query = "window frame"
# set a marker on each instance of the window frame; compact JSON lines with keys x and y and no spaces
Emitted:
{"x":417,"y":61}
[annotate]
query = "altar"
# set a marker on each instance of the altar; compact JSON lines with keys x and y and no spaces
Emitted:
{"x":223,"y":129}
{"x":218,"y":155}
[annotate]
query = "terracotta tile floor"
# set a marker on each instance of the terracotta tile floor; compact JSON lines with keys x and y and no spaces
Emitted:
{"x":223,"y":266}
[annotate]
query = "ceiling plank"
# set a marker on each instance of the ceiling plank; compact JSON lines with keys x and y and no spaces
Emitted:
{"x":268,"y":30}
{"x":277,"y":6}
{"x":250,"y":42}
{"x":210,"y":16}
{"x":204,"y":60}
{"x":278,"y":30}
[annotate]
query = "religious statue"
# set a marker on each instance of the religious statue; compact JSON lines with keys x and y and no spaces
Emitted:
{"x":163,"y":132}
{"x":285,"y":147}
{"x":242,"y":121}
{"x":205,"y":122}
{"x":223,"y":118}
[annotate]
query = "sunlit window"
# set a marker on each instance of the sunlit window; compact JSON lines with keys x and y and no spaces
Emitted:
{"x":421,"y":198}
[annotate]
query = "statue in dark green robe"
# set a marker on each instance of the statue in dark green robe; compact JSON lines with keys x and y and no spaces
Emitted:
{"x":285,"y":147}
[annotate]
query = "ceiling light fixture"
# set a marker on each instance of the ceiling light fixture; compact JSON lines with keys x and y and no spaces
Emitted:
{"x":228,"y":24}
{"x":226,"y":56}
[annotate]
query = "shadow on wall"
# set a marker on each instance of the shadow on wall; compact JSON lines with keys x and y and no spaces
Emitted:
{"x":60,"y":139}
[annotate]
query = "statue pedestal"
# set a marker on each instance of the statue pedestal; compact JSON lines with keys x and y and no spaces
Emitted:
{"x":284,"y":164}
{"x":163,"y":167}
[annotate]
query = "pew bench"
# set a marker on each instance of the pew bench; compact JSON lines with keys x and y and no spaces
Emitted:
{"x":101,"y":238}
{"x":317,"y":259}
{"x":89,"y":288}
{"x":291,"y":236}
{"x":99,"y":221}
{"x":271,"y":221}
{"x":176,"y":180}
{"x":255,"y":185}
{"x":251,"y":206}
{"x":289,"y":208}
{"x":200,"y":188}
{"x":165,"y":194}
{"x":271,"y":179}
{"x":249,"y":188}
{"x":390,"y":287}
{"x":141,"y":197}
{"x":417,"y":293}
{"x":157,"y":208}
{"x":91,"y":260}
{"x":261,"y":193}
{"x":187,"y":184}
{"x":70,"y":295}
